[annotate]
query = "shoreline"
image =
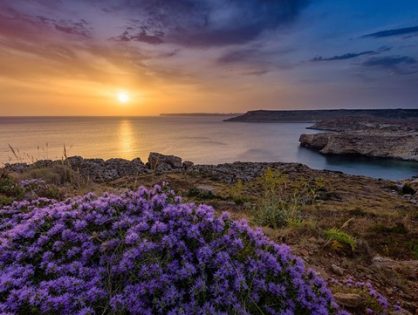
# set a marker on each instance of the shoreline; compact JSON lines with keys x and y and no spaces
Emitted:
{"x":102,"y":170}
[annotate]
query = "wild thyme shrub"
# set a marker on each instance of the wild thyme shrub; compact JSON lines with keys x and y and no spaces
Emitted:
{"x":40,"y":188}
{"x":145,"y":252}
{"x":373,"y":302}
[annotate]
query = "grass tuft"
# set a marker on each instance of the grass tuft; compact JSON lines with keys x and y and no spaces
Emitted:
{"x":339,"y":239}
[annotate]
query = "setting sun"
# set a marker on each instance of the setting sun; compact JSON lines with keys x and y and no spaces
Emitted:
{"x":122,"y":97}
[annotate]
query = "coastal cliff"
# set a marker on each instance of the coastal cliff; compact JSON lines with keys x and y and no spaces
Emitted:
{"x":397,"y":146}
{"x":263,"y":116}
{"x":382,"y":138}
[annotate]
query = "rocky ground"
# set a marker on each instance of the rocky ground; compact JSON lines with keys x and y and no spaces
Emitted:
{"x":381,"y":138}
{"x":349,"y":228}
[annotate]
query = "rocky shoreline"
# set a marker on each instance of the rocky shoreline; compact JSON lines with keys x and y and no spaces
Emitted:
{"x":100,"y":170}
{"x":395,"y":139}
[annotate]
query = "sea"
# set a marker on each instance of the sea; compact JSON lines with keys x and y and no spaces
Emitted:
{"x":201,"y":139}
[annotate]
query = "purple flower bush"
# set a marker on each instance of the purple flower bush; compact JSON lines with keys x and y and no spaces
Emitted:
{"x":145,"y":252}
{"x":375,"y":302}
{"x":31,"y":183}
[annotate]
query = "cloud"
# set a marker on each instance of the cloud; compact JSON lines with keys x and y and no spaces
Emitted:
{"x":79,"y":28}
{"x":238,"y":56}
{"x":207,"y":23}
{"x":389,"y":61}
{"x":19,"y":24}
{"x":393,"y":32}
{"x":344,"y":56}
{"x":403,"y":65}
{"x":142,"y":36}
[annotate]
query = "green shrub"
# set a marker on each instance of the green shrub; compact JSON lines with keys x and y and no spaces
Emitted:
{"x":50,"y":192}
{"x":200,"y":193}
{"x":5,"y":201}
{"x":339,"y":239}
{"x":9,"y":187}
{"x":269,"y":211}
{"x":236,"y":193}
{"x":57,"y":175}
{"x":407,"y":190}
{"x":282,"y":200}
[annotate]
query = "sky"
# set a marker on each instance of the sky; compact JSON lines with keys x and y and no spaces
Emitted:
{"x":145,"y":57}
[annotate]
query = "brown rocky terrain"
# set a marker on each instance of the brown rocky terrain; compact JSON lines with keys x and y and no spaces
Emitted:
{"x":378,"y":218}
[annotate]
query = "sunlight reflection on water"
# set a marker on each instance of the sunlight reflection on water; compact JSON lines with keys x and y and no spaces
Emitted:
{"x":202,"y":139}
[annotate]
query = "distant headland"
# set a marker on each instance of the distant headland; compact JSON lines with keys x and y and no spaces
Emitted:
{"x":264,"y":116}
{"x":200,"y":114}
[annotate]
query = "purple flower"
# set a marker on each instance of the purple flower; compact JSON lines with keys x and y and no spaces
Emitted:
{"x":145,"y":252}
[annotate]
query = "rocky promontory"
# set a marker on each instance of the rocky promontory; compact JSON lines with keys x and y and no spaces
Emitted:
{"x":397,"y":146}
{"x":384,"y":138}
{"x":274,"y":116}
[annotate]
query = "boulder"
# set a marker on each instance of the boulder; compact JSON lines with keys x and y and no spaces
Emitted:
{"x":337,"y":270}
{"x":162,"y":163}
{"x":408,"y":268}
{"x":350,"y":300}
{"x":187,"y":164}
{"x":314,"y":141}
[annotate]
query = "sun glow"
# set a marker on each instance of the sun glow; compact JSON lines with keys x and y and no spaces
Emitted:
{"x":123,"y":97}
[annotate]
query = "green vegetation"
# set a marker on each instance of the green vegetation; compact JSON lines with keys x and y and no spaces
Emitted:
{"x":282,"y":199}
{"x":9,"y":187}
{"x":200,"y":193}
{"x":236,"y":193}
{"x":340,"y":240}
{"x":407,"y":190}
{"x":57,"y":175}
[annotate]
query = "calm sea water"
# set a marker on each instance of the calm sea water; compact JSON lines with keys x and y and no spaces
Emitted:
{"x":202,"y":139}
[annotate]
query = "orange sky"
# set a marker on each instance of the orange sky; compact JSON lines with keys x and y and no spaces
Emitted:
{"x":72,"y":57}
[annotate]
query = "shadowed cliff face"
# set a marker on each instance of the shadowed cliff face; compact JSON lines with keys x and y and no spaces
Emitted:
{"x":400,"y":146}
{"x":317,"y":115}
{"x":382,"y":138}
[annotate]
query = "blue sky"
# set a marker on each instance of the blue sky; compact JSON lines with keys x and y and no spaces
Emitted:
{"x":209,"y":55}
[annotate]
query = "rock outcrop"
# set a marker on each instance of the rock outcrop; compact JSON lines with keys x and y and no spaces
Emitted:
{"x":105,"y":170}
{"x":162,"y":163}
{"x":97,"y":170}
{"x":232,"y":172}
{"x":395,"y":145}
